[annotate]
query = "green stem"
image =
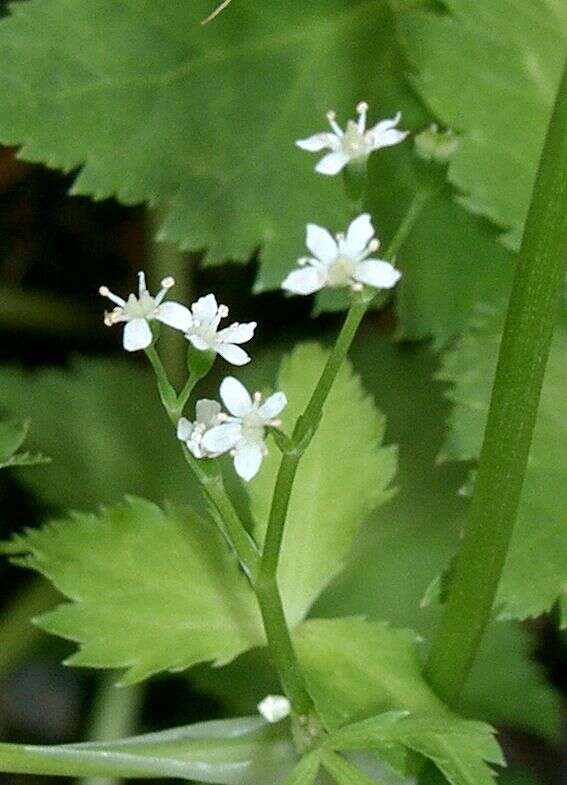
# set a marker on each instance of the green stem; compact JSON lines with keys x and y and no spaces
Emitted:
{"x":267,"y":591}
{"x":115,"y":716}
{"x":532,"y":312}
{"x":166,"y":260}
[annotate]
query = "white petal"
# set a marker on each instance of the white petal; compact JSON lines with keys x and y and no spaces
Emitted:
{"x":375,"y":272}
{"x":137,"y":335}
{"x":237,"y":333}
{"x":384,"y":133}
{"x":317,"y":142}
{"x":174,"y":315}
{"x":232,"y":354}
{"x":184,"y":428}
{"x":358,"y":235}
{"x":235,"y":396}
{"x":248,"y":458}
{"x":274,"y":708}
{"x":321,"y":243}
{"x":205,"y":309}
{"x":198,"y":342}
{"x":332,"y":163}
{"x":222,"y":438}
{"x":273,"y":406}
{"x":206,"y":411}
{"x":305,"y":280}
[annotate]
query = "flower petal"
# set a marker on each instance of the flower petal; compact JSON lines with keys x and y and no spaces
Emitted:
{"x":233,"y":354}
{"x":206,"y":411}
{"x":305,"y":281}
{"x":332,"y":163}
{"x":384,"y":133}
{"x":321,"y":243}
{"x":235,"y":396}
{"x":184,"y":428}
{"x":273,"y":406}
{"x":248,"y":458}
{"x":137,"y":335}
{"x":237,"y":333}
{"x":222,"y":438}
{"x":317,"y":142}
{"x":205,"y":309}
{"x":358,"y":235}
{"x":375,"y":272}
{"x":198,"y":342}
{"x":174,"y":315}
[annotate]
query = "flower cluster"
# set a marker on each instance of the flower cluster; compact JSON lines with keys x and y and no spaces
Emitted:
{"x":345,"y":260}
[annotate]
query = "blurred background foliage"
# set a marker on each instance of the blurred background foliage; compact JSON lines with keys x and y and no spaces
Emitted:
{"x":86,"y":87}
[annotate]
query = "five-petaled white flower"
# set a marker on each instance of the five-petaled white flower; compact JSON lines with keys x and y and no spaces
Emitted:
{"x":138,"y":311}
{"x":274,"y":708}
{"x":204,"y":334}
{"x":243,"y":433}
{"x":342,"y":261}
{"x":207,"y":415}
{"x":356,"y":143}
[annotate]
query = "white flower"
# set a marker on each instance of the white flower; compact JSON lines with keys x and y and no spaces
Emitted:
{"x":356,"y":143}
{"x":244,"y":432}
{"x":138,"y":311}
{"x":207,"y":415}
{"x":205,"y":335}
{"x":342,"y":261}
{"x":274,"y":708}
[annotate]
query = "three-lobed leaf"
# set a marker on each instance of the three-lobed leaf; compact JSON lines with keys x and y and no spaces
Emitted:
{"x":540,"y":534}
{"x":149,"y":590}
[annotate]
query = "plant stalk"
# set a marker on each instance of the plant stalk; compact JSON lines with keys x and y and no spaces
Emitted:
{"x":532,"y":312}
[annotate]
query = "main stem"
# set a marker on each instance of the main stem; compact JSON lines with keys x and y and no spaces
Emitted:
{"x":524,"y":350}
{"x":267,"y":590}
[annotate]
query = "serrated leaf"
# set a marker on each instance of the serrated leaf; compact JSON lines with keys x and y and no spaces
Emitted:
{"x":12,"y":435}
{"x":343,"y":475}
{"x":149,"y":590}
{"x":461,"y":749}
{"x":103,"y":426}
{"x":243,"y":751}
{"x":535,"y":574}
{"x":505,"y":61}
{"x":202,"y":121}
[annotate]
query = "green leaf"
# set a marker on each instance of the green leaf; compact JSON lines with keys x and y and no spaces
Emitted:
{"x":375,"y":669}
{"x":461,"y":749}
{"x":342,"y":771}
{"x":243,"y":751}
{"x":305,"y":771}
{"x":202,"y":121}
{"x":103,"y":425}
{"x":505,"y":60}
{"x":343,"y":475}
{"x":149,"y":590}
{"x":12,"y":436}
{"x":413,"y":537}
{"x":535,"y":575}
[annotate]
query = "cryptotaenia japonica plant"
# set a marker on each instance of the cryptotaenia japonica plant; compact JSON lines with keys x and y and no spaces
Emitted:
{"x":222,"y":535}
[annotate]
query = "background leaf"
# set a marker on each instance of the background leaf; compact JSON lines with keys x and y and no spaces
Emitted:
{"x":505,"y":61}
{"x":202,"y":121}
{"x":12,"y":436}
{"x":149,"y":590}
{"x":102,"y":423}
{"x":344,"y":474}
{"x":540,"y":533}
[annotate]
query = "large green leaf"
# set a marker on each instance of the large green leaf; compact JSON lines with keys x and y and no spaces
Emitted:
{"x":103,"y":425}
{"x":344,"y":474}
{"x":149,"y":590}
{"x":243,"y":751}
{"x":202,"y":121}
{"x":535,"y":575}
{"x":504,"y":60}
{"x":461,"y":749}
